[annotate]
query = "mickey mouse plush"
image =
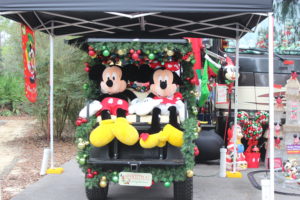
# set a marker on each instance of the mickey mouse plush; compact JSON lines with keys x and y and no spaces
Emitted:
{"x":227,"y":72}
{"x":113,"y":100}
{"x":163,"y":99}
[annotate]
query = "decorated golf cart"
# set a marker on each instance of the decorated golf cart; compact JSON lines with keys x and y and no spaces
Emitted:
{"x":135,"y":35}
{"x":124,"y":144}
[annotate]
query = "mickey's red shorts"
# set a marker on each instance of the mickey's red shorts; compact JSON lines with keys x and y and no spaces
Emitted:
{"x":113,"y":104}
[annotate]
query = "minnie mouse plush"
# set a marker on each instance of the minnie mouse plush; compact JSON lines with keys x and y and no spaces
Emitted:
{"x":112,"y":101}
{"x":163,"y":99}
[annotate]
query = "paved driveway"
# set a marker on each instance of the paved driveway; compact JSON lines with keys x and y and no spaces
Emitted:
{"x":207,"y":186}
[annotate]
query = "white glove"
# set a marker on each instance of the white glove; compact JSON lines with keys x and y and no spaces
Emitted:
{"x":133,"y":104}
{"x":94,"y":107}
{"x":181,"y":110}
{"x":146,"y":106}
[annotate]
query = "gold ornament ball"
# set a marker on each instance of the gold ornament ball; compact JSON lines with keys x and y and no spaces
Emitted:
{"x":189,"y":173}
{"x":199,"y":129}
{"x":103,"y":184}
{"x":196,"y":135}
{"x":81,"y":145}
{"x":120,"y":52}
{"x":197,"y":94}
{"x":170,"y":53}
{"x":103,"y":178}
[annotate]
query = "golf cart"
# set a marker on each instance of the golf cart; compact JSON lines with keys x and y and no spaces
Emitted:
{"x":119,"y":20}
{"x":143,"y":162}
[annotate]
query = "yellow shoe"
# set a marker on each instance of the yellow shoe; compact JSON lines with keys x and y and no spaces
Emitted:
{"x":161,"y":144}
{"x":125,"y":132}
{"x":102,"y":135}
{"x":173,"y":135}
{"x":148,"y":141}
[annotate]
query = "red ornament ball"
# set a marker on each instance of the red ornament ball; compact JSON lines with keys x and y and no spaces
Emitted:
{"x":91,"y":48}
{"x":78,"y":122}
{"x":92,"y":53}
{"x":131,"y":51}
{"x":87,"y":69}
{"x":139,"y":51}
{"x":196,"y":151}
{"x":90,"y":176}
{"x":95,"y":173}
{"x":135,"y":56}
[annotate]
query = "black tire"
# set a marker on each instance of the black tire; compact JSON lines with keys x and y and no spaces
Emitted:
{"x":183,"y":190}
{"x":97,"y":193}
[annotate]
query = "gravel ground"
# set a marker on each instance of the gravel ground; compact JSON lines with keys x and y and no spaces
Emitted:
{"x":21,"y":152}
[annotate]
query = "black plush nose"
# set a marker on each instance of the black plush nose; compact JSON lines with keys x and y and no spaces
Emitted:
{"x":163,"y":84}
{"x":109,"y":83}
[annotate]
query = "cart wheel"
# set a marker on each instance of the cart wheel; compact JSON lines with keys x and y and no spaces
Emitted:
{"x":97,"y":193}
{"x":183,"y":190}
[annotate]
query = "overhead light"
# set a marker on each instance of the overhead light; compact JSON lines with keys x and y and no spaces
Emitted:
{"x":131,"y":16}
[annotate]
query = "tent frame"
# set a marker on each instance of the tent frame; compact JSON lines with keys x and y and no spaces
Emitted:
{"x":178,"y":29}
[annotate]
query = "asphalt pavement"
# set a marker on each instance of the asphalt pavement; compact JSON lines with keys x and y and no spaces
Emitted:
{"x":207,"y":186}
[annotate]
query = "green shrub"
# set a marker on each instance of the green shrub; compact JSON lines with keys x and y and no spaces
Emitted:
{"x":11,"y":94}
{"x":68,"y":79}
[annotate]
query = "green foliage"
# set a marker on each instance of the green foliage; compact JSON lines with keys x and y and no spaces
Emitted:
{"x":12,"y":95}
{"x":163,"y":174}
{"x":68,"y":79}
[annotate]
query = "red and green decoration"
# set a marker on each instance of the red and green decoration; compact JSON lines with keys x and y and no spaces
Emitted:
{"x":252,"y":132}
{"x":166,"y":55}
{"x":243,"y":117}
{"x":262,"y":117}
{"x":154,"y":54}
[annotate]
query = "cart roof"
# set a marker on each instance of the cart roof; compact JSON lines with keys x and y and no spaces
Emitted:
{"x":139,"y":18}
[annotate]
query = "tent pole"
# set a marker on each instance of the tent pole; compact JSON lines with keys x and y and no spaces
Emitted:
{"x":51,"y":99}
{"x":236,"y":85}
{"x":271,"y":101}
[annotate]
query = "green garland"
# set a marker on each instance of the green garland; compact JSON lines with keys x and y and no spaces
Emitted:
{"x":161,"y":51}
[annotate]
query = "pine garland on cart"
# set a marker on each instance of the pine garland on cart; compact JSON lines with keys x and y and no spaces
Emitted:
{"x":166,"y":55}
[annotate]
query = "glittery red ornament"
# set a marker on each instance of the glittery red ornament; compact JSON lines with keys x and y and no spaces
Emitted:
{"x":135,"y":56}
{"x":87,"y":69}
{"x":92,"y":53}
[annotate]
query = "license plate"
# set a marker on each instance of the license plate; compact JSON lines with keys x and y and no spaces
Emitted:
{"x":135,"y":179}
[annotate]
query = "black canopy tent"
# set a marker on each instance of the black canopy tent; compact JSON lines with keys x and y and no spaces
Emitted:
{"x":139,"y":18}
{"x":147,"y":19}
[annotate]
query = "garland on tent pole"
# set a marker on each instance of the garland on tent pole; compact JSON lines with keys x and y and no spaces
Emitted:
{"x":154,"y":54}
